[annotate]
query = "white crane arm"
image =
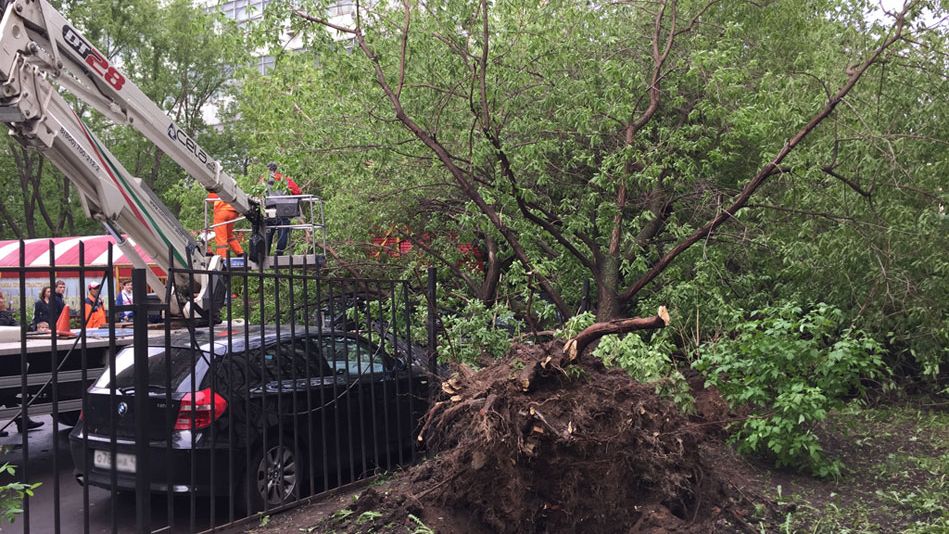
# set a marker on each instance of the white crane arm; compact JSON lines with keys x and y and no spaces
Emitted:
{"x":64,"y":54}
{"x":37,"y":46}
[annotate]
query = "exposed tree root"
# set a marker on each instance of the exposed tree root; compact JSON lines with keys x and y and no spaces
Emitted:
{"x":523,"y":446}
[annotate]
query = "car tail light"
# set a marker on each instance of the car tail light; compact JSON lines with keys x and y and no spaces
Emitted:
{"x":199,"y":406}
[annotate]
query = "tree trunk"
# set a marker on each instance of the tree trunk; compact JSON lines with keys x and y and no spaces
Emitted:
{"x":492,"y":272}
{"x":608,"y":305}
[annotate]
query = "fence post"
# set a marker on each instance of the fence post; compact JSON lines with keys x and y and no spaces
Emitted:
{"x":140,"y":324}
{"x":432,"y":310}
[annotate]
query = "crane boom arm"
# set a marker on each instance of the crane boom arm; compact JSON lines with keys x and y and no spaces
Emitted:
{"x":39,"y":46}
{"x":102,"y":85}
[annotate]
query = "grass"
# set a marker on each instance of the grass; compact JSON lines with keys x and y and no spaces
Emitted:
{"x":896,"y":477}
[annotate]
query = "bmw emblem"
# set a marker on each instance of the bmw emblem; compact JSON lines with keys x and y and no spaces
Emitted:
{"x":122,"y":409}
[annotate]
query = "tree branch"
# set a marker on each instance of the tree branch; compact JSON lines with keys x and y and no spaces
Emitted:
{"x":404,"y":47}
{"x":825,"y":215}
{"x":10,"y":221}
{"x":575,"y":346}
{"x":443,"y":155}
{"x":854,"y":76}
{"x":850,"y":183}
{"x":328,"y":24}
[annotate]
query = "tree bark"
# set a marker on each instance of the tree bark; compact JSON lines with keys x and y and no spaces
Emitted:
{"x":492,"y":272}
{"x":609,"y":306}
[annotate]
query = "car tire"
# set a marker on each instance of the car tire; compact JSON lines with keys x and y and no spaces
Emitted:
{"x":276,"y":476}
{"x":67,"y":418}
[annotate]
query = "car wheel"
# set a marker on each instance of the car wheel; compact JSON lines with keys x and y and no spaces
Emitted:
{"x":276,"y":476}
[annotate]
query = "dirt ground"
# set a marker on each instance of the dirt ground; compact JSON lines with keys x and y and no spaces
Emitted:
{"x":527,"y":446}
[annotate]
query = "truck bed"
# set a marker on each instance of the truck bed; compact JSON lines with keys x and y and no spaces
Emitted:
{"x":40,"y":361}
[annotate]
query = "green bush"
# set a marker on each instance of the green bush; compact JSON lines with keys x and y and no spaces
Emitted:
{"x":649,"y":362}
{"x":790,"y":366}
{"x":476,"y":331}
{"x":12,"y":494}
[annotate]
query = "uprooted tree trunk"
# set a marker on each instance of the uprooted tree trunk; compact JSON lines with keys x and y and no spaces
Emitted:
{"x":523,"y":446}
{"x":575,"y":346}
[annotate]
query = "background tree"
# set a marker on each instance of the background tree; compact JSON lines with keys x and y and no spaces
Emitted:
{"x":578,"y":142}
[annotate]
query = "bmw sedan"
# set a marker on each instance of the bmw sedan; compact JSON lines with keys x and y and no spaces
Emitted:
{"x":258,"y":415}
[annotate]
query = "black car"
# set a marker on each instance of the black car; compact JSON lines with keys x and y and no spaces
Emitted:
{"x":264,"y":417}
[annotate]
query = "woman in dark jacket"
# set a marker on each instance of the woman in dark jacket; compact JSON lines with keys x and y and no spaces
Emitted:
{"x":41,"y":308}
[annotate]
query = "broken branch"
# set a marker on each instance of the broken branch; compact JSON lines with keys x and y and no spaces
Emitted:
{"x":574,"y":347}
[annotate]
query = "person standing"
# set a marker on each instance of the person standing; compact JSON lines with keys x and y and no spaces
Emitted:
{"x":93,"y":309}
{"x":124,"y":298}
{"x":57,"y":301}
{"x":224,"y":237}
{"x":280,"y":184}
{"x":41,"y":309}
{"x":6,"y":316}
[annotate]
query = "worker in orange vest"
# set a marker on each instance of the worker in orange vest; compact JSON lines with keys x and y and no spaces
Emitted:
{"x":224,"y":234}
{"x":93,"y":309}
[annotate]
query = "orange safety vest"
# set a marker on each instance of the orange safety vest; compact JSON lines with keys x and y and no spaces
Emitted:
{"x":94,"y":313}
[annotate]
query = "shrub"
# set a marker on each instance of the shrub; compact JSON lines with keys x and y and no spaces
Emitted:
{"x":648,"y":362}
{"x":12,"y":494}
{"x":477,"y":331}
{"x":790,"y":367}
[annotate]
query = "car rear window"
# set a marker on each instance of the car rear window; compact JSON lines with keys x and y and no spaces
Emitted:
{"x":181,"y":364}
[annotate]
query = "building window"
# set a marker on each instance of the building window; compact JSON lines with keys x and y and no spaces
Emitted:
{"x":342,"y":7}
{"x":265,"y":64}
{"x":244,"y":10}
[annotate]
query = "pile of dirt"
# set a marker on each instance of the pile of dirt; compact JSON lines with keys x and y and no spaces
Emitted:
{"x":527,"y":446}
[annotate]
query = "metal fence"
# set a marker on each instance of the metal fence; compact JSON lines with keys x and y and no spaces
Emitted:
{"x":293,"y":384}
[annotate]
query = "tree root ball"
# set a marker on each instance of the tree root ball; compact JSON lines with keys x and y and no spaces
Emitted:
{"x":526,"y":446}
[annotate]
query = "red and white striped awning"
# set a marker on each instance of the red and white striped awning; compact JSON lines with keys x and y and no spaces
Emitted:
{"x":66,"y":252}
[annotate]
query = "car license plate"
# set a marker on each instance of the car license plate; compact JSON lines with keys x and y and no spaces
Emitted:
{"x":123,"y":462}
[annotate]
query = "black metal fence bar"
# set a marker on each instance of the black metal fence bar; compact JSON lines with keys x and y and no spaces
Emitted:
{"x":113,"y":408}
{"x":142,"y":467}
{"x":54,"y":391}
{"x":170,"y":414}
{"x":24,"y":392}
{"x":84,"y":363}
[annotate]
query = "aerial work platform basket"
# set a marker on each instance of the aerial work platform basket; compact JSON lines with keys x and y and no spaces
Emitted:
{"x":303,"y":219}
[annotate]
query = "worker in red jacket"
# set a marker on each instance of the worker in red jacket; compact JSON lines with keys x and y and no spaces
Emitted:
{"x":280,"y":185}
{"x":224,"y":237}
